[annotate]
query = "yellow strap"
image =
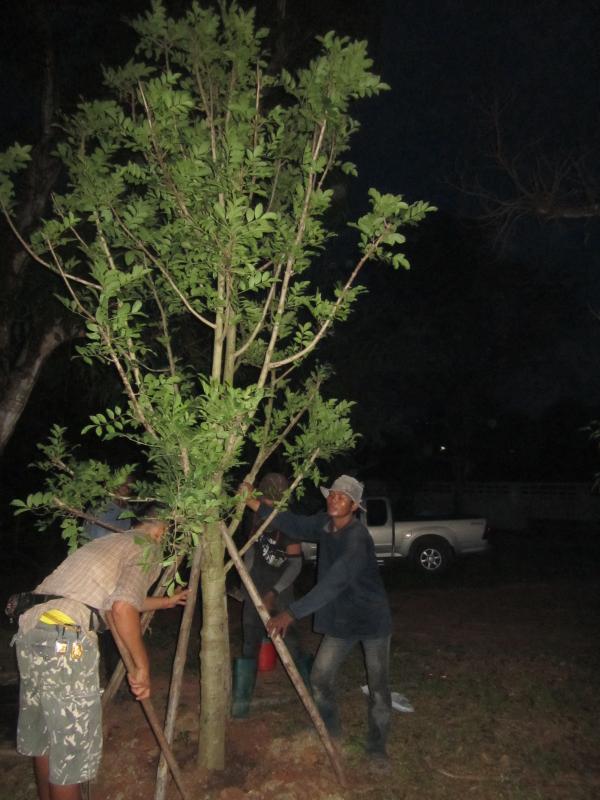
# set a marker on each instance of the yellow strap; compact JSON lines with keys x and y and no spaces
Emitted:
{"x":56,"y":617}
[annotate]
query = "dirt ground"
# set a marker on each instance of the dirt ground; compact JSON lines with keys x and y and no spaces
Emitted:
{"x":503,"y":675}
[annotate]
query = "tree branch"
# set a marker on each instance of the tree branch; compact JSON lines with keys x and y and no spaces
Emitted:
{"x":165,"y":327}
{"x":162,"y":269}
{"x":59,"y":271}
{"x":161,"y":161}
{"x":549,"y":186}
{"x":77,"y":512}
{"x":130,"y":352}
{"x":127,"y":385}
{"x":329,"y":321}
{"x":259,"y":325}
{"x":289,"y":270}
{"x":32,"y":254}
{"x":290,"y":426}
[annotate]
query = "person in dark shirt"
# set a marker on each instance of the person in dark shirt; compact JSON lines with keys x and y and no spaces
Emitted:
{"x":349,"y":603}
{"x":274,"y":562}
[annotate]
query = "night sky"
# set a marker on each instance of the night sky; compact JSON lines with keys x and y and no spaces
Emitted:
{"x":492,"y":333}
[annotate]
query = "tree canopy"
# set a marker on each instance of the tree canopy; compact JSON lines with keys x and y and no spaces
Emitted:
{"x":199,"y":193}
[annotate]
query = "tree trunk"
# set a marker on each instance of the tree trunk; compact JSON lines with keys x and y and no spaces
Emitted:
{"x":215,"y":670}
{"x":24,"y":377}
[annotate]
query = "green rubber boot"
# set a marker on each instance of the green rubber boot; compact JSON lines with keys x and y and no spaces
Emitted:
{"x":244,"y":676}
{"x":304,"y":665}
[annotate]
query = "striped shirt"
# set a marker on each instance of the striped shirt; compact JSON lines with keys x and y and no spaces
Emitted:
{"x":120,"y":566}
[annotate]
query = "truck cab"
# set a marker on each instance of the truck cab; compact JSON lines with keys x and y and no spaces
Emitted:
{"x":429,"y":544}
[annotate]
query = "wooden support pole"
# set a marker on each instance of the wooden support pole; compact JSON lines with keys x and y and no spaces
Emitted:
{"x":254,"y":538}
{"x":285,"y":657}
{"x":149,"y":712}
{"x":178,"y":669}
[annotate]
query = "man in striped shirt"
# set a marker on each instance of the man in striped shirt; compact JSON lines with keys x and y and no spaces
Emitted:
{"x":57,"y":649}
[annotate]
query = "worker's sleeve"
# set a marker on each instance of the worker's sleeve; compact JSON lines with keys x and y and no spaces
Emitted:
{"x":339,"y":576}
{"x":289,"y":574}
{"x":296,"y":526}
{"x":123,"y":524}
{"x":132,"y":586}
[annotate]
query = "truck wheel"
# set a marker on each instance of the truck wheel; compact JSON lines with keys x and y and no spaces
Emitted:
{"x":431,"y":555}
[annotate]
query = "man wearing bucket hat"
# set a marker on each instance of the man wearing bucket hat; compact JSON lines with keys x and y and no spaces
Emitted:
{"x":349,"y":603}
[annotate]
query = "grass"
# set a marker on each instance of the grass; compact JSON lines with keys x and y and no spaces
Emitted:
{"x":504,"y":685}
{"x":504,"y":709}
{"x":503,"y":714}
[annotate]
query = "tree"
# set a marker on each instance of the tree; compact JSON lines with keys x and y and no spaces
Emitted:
{"x":29,"y":331}
{"x":540,"y":177}
{"x":538,"y":147}
{"x":188,"y":244}
{"x":46,"y":73}
{"x":536,"y":139}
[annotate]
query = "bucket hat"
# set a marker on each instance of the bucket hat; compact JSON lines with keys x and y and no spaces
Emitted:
{"x":347,"y":485}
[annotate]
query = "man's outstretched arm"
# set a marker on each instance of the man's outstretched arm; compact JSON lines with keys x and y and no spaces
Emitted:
{"x":126,"y":619}
{"x":296,"y":526}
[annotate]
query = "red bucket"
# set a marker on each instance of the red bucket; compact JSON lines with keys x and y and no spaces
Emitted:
{"x":267,"y":656}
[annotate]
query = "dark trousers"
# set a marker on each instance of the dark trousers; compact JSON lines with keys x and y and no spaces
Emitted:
{"x":332,"y":652}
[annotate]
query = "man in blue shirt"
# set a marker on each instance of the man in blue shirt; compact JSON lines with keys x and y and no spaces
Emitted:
{"x":349,"y":603}
{"x":111,"y":513}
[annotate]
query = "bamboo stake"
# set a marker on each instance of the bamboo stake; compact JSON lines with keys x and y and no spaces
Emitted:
{"x":149,"y":711}
{"x":285,"y":657}
{"x":178,"y":669}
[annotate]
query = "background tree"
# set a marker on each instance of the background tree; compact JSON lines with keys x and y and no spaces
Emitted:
{"x":49,"y":70}
{"x":188,"y":244}
{"x":549,"y":174}
{"x":31,"y":326}
{"x":533,"y":131}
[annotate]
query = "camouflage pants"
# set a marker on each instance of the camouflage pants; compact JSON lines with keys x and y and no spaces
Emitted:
{"x":59,"y":704}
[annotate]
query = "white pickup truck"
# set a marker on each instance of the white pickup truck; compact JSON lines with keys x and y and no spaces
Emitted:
{"x":429,"y":544}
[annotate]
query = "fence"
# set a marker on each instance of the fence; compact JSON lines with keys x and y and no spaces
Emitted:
{"x":515,"y":506}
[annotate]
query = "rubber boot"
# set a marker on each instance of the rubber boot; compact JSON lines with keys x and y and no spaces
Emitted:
{"x":304,"y":664}
{"x":244,"y":676}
